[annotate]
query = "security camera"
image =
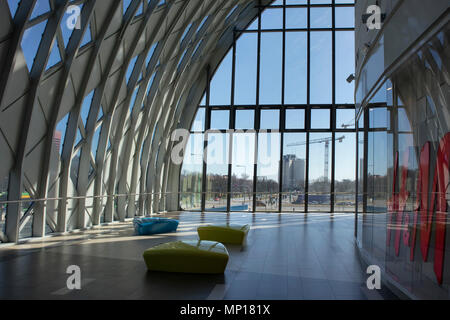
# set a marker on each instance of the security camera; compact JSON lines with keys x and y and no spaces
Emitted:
{"x":351,"y":78}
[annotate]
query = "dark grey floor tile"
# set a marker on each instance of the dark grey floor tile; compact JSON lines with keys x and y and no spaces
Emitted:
{"x":290,"y":257}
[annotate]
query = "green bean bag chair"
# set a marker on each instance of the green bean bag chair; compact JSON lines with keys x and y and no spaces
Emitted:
{"x":187,"y":257}
{"x":228,"y":234}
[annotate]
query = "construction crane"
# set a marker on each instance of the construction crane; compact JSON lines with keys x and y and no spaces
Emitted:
{"x":349,"y":124}
{"x":326,"y":141}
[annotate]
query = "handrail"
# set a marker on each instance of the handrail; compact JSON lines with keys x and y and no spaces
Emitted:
{"x":164,"y":194}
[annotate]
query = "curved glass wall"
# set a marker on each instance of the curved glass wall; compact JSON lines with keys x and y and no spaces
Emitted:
{"x":82,"y":143}
{"x":276,"y":127}
{"x":404,"y":147}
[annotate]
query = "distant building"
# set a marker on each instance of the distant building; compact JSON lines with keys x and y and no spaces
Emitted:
{"x":293,"y":172}
{"x":57,"y":140}
{"x":55,"y":156}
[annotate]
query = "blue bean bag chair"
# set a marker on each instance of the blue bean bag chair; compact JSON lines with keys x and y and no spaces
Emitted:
{"x":149,"y":226}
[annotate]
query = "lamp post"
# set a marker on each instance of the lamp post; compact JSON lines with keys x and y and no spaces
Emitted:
{"x":196,"y":183}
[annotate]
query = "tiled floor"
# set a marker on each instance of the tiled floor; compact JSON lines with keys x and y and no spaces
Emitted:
{"x":288,"y":256}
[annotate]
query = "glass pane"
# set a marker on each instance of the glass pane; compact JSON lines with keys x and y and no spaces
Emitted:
{"x":268,"y":153}
{"x":404,"y":123}
{"x":321,"y":68}
{"x":267,"y":186}
{"x":130,"y":69}
{"x":95,"y":139}
{"x":293,"y":2}
{"x":345,"y":17}
{"x":217,"y":172}
{"x":361,"y":121}
{"x":60,"y":133}
{"x":192,"y":173}
{"x":320,"y":119}
{"x":30,"y":42}
{"x":199,"y":121}
{"x":242,"y":171}
{"x":320,"y":17}
{"x":85,"y":107}
{"x":253,"y":25}
{"x":377,"y":171}
{"x":272,"y":19}
{"x":13,"y":4}
{"x":320,"y":150}
{"x":246,"y":65}
{"x":345,"y":181}
{"x":245,"y":119}
{"x":345,"y":66}
{"x":220,"y":91}
{"x":296,"y":76}
{"x":294,"y":170}
{"x":40,"y":8}
{"x":270,"y":119}
{"x":361,"y":169}
{"x":296,"y":18}
{"x":203,"y":102}
{"x":295,"y":119}
{"x":271,"y":68}
{"x":379,"y":118}
{"x":345,"y":118}
{"x":54,"y":57}
{"x":220,"y":119}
